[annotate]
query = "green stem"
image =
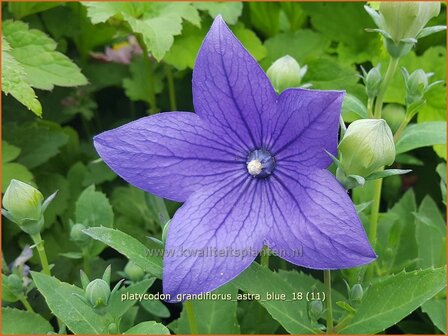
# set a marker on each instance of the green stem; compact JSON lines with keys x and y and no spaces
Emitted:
{"x":343,"y":322}
{"x":171,"y":88}
{"x":370,"y":108}
{"x":191,"y":318}
{"x":26,"y":304}
{"x":42,"y":255}
{"x":264,"y":259}
{"x":329,"y":305}
{"x":151,"y":91}
{"x":393,"y":64}
{"x":86,"y":264}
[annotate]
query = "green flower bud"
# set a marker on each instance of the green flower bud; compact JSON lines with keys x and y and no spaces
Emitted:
{"x":14,"y":284}
{"x":367,"y":145}
{"x":416,"y":85}
{"x":98,"y":293}
{"x":394,"y":114}
{"x":315,"y":309}
{"x":372,"y":81}
{"x":79,"y":237}
{"x":23,"y":202}
{"x":286,"y":73}
{"x":134,"y":272}
{"x":356,"y":294}
{"x":404,"y":20}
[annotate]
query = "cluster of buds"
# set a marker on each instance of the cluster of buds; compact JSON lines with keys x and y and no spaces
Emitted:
{"x":403,"y":23}
{"x":417,"y":85}
{"x":97,"y":292}
{"x":16,"y":282}
{"x":286,"y":73}
{"x":25,"y":205}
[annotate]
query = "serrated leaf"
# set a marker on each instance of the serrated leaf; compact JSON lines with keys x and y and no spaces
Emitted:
{"x":390,"y":300}
{"x":130,"y":247}
{"x":230,"y":11}
{"x":250,"y":41}
{"x":93,"y":209}
{"x":15,"y":82}
{"x":15,"y":321}
{"x":43,"y":65}
{"x":422,"y":135}
{"x":430,"y":234}
{"x":291,"y":314}
{"x":214,"y":316}
{"x":158,"y":22}
{"x":39,"y":141}
{"x":79,"y":318}
{"x":148,"y":328}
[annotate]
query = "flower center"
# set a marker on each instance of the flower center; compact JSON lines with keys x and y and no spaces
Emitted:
{"x":260,"y":163}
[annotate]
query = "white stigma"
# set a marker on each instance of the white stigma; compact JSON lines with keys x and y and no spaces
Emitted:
{"x":254,"y":167}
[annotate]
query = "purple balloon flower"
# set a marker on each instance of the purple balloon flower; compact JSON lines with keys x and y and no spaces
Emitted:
{"x":250,"y":167}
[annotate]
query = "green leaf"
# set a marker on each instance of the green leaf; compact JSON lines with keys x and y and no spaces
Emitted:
{"x":430,"y":234}
{"x":130,"y":247}
{"x":291,"y":314}
{"x":354,"y":44}
{"x":43,"y":65}
{"x":422,"y":135}
{"x":15,"y":321}
{"x":130,"y":202}
{"x":158,"y":22}
{"x":213,"y":316}
{"x":14,"y":80}
{"x":118,"y":307}
{"x":148,"y":328}
{"x":441,"y":170}
{"x":436,"y":310}
{"x":93,"y":209}
{"x":39,"y":141}
{"x":60,"y":298}
{"x":22,"y":9}
{"x":256,"y":319}
{"x":312,"y":46}
{"x":156,"y":308}
{"x":265,"y":17}
{"x":353,"y":109}
{"x":143,"y":76}
{"x":389,"y":301}
{"x":12,"y":170}
{"x":250,"y":41}
{"x":230,"y":11}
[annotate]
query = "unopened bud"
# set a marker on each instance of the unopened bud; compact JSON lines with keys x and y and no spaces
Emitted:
{"x":98,"y":293}
{"x":372,"y":81}
{"x":315,"y":309}
{"x":286,"y":73}
{"x":367,"y":145}
{"x":134,"y":272}
{"x":356,"y":294}
{"x":79,"y":237}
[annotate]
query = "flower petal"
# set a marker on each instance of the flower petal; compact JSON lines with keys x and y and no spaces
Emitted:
{"x":169,"y":154}
{"x":214,"y":236}
{"x":315,"y":222}
{"x":230,"y":90}
{"x":305,"y":124}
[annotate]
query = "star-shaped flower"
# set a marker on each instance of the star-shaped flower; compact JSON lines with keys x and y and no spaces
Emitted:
{"x":251,"y":168}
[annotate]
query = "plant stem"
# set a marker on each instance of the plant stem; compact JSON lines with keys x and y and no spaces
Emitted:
{"x":171,"y":88}
{"x":329,"y":305}
{"x":264,"y":258}
{"x":393,"y":64}
{"x":191,"y":318}
{"x":42,"y":255}
{"x":26,"y":304}
{"x":377,"y":185}
{"x":151,"y":91}
{"x":370,"y":108}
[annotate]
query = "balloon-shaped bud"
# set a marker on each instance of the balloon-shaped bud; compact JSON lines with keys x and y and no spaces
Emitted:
{"x":97,"y":293}
{"x":356,"y":294}
{"x":286,"y":73}
{"x":367,"y":146}
{"x":372,"y":81}
{"x":134,"y":272}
